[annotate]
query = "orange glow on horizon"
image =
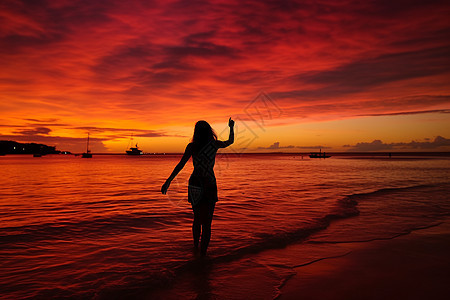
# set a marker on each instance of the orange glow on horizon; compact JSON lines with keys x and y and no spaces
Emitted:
{"x":338,"y":74}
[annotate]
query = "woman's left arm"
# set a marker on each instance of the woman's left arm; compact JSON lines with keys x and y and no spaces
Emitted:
{"x":187,"y":154}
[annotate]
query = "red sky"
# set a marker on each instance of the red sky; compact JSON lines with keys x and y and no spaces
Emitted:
{"x":344,"y":75}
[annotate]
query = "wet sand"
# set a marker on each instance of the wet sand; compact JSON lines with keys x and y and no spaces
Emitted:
{"x":414,"y":266}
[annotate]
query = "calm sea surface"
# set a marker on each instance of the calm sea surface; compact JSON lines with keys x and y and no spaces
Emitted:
{"x":92,"y":228}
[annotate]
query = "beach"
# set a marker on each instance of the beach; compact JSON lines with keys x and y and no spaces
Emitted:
{"x":410,"y":266}
{"x":413,"y":266}
{"x":350,"y":259}
{"x":339,"y":228}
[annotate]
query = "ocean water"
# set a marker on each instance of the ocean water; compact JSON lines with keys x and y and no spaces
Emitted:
{"x":100,"y":228}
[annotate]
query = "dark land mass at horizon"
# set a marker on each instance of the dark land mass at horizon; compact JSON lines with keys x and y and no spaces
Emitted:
{"x":11,"y":147}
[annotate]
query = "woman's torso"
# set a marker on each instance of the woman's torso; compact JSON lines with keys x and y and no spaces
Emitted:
{"x":203,"y":159}
{"x":203,"y":175}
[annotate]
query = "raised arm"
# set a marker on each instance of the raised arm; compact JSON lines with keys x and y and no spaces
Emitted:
{"x":230,"y":138}
{"x":187,"y":154}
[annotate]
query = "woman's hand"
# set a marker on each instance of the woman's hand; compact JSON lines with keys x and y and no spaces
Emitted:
{"x":165,"y":187}
{"x":230,"y":122}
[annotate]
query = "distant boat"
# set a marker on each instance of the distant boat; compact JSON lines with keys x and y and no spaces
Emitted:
{"x":134,"y":151}
{"x":88,"y":153}
{"x":37,"y":155}
{"x":319,"y":154}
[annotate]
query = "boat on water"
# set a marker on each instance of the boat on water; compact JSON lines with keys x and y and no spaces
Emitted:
{"x":88,"y":153}
{"x":134,"y":151}
{"x":319,"y":154}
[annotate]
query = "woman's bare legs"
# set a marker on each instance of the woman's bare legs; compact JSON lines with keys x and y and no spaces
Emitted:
{"x":203,"y":214}
{"x":196,"y":228}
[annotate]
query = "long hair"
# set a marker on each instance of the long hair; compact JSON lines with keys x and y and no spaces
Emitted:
{"x":203,"y":134}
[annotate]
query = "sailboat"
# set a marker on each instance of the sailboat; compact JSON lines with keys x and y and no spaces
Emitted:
{"x":319,"y":154}
{"x":134,"y":150}
{"x":88,"y":153}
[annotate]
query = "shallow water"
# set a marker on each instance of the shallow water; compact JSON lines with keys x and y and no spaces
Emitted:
{"x":93,"y":228}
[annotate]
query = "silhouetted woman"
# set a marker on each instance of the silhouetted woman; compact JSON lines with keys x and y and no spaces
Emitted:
{"x":202,"y":190}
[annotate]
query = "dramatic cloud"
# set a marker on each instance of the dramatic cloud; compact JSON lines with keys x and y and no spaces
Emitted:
{"x":160,"y":65}
{"x":60,"y":142}
{"x":359,"y":76}
{"x":441,"y":111}
{"x":35,"y":131}
{"x":377,"y":145}
{"x":126,"y":132}
{"x":276,"y":146}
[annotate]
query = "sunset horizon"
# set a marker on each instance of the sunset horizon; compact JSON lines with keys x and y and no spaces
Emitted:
{"x":350,"y":76}
{"x":225,"y":149}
